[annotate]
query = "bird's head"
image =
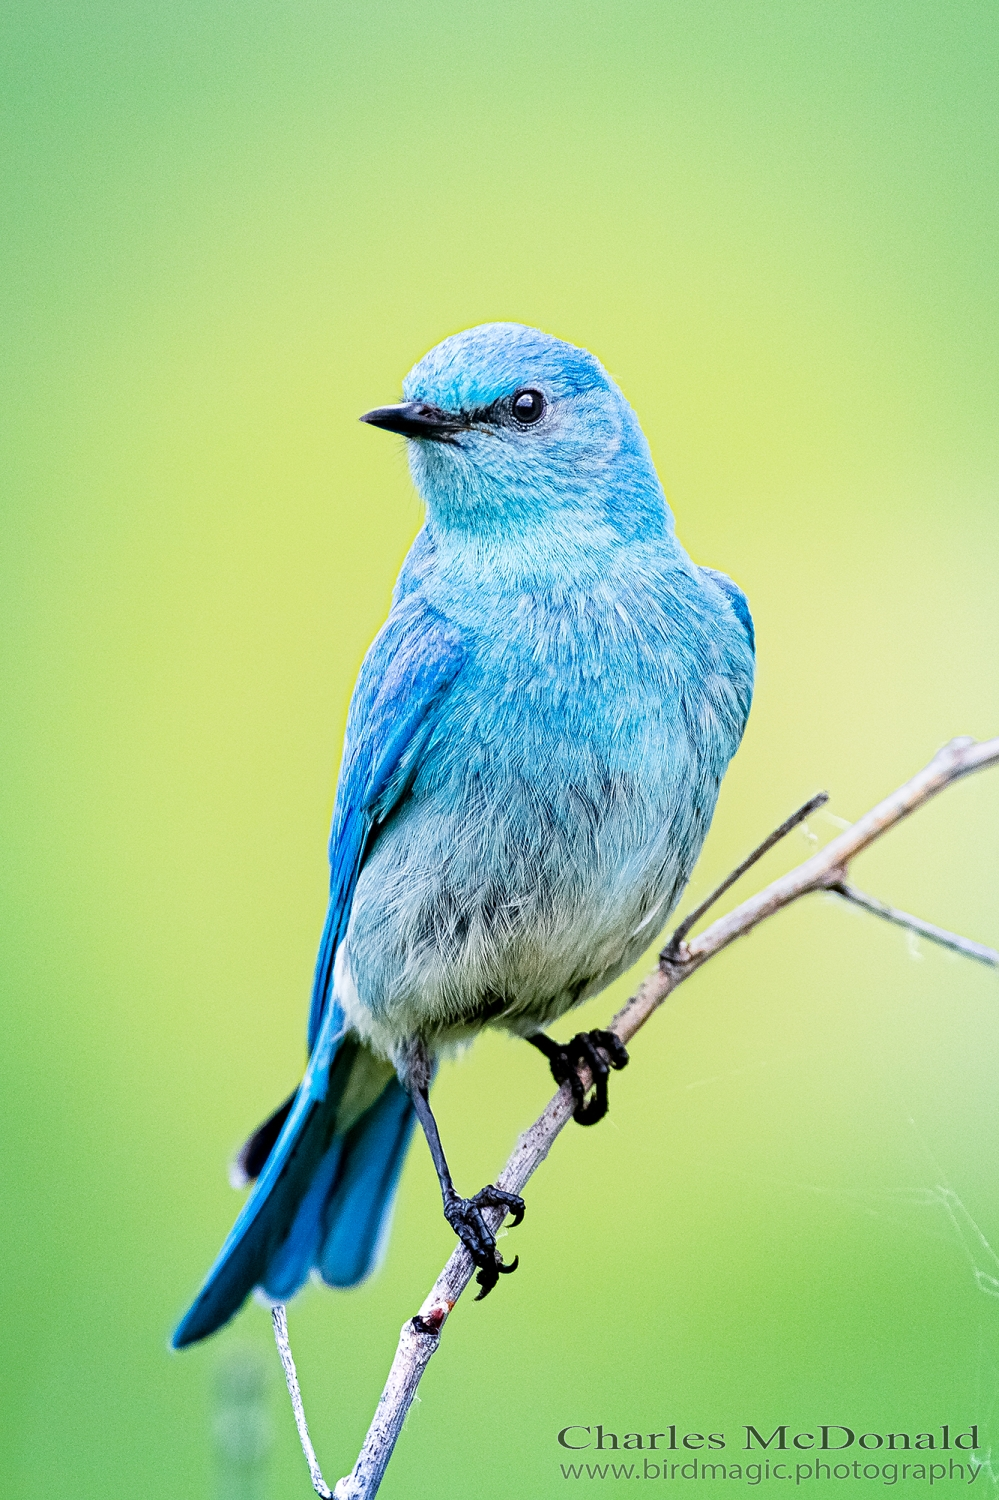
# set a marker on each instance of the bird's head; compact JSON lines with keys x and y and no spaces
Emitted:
{"x":511,"y":430}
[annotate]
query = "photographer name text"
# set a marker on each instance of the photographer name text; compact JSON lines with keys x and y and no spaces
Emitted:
{"x":826,"y":1437}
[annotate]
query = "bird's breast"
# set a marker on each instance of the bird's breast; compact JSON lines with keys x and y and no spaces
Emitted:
{"x":558,"y":807}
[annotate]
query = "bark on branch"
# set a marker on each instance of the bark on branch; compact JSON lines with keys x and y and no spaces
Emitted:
{"x":825,"y":871}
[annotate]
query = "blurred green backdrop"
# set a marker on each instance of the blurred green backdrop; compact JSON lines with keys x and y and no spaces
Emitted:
{"x":230,"y":228}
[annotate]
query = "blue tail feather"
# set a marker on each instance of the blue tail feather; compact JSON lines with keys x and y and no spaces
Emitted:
{"x":358,"y":1215}
{"x":324,"y":1195}
{"x":289,"y":1266}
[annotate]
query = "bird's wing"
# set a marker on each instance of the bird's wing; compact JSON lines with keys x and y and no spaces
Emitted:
{"x":410,"y":666}
{"x":737,"y":599}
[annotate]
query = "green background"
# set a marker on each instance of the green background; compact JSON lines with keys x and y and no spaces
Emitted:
{"x":229,"y":229}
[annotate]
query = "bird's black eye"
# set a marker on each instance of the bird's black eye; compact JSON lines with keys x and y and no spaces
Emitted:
{"x":528,"y":406}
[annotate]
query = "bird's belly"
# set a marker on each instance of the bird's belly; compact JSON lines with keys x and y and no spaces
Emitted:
{"x":509,"y":896}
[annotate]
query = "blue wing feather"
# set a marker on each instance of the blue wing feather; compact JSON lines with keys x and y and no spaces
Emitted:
{"x":324,"y":1197}
{"x":412,"y":661}
{"x":736,"y":598}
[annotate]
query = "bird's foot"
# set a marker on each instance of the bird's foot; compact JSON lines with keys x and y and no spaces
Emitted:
{"x":599,"y":1051}
{"x":465,"y":1217}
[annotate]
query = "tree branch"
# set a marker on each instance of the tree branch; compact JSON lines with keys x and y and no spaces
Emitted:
{"x":824,"y":871}
{"x":917,"y":925}
{"x":279,"y":1320}
{"x":794,"y":821}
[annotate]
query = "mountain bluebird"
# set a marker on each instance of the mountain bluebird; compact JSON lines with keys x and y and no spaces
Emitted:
{"x":532,"y":757}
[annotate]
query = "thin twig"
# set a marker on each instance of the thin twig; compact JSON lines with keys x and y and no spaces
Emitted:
{"x":805,"y":811}
{"x":279,"y":1318}
{"x":916,"y":924}
{"x":824,"y":871}
{"x":421,"y":1335}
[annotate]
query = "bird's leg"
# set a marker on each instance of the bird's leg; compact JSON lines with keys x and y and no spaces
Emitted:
{"x":465,"y":1214}
{"x":600,"y":1051}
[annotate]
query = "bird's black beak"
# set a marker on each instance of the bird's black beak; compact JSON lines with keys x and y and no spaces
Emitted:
{"x":413,"y":419}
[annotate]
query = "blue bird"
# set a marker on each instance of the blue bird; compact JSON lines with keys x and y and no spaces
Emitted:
{"x":532,"y":757}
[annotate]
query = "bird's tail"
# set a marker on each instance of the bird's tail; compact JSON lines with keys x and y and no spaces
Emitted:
{"x":327,"y":1165}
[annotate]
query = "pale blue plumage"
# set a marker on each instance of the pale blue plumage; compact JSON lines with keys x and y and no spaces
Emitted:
{"x":532,"y":758}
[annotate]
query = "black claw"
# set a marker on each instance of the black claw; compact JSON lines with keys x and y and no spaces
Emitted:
{"x":465,"y":1217}
{"x":494,"y":1197}
{"x":586,"y":1047}
{"x":489,"y":1274}
{"x":487,"y":1279}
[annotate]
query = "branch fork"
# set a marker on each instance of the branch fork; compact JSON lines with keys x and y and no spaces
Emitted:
{"x":827,"y":870}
